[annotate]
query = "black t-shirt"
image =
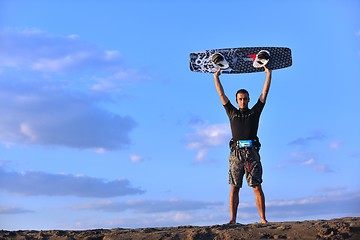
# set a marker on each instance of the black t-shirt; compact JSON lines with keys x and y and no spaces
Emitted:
{"x":244,"y":124}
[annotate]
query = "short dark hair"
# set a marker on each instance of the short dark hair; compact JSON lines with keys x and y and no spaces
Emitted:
{"x":241,"y":91}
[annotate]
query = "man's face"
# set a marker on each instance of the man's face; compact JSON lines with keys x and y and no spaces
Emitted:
{"x":243,"y":100}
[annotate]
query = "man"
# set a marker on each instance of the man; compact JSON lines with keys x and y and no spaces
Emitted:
{"x":244,"y":156}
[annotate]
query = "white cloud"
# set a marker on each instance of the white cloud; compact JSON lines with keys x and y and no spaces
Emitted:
{"x":13,"y":210}
{"x":323,"y":168}
{"x":310,"y":161}
{"x":182,"y":217}
{"x":305,"y":159}
{"x":109,"y":55}
{"x":201,"y":155}
{"x":316,"y":135}
{"x":335,"y":145}
{"x":43,"y":53}
{"x":310,"y":158}
{"x":45,"y":99}
{"x":27,"y":131}
{"x":114,"y":82}
{"x":47,"y":184}
{"x":206,"y":136}
{"x":148,"y":206}
{"x":176,"y":218}
{"x":329,"y":203}
{"x":58,"y":64}
{"x":58,"y":118}
{"x":136,"y":158}
{"x":100,"y":150}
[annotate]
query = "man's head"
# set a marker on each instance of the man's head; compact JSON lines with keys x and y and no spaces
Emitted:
{"x":242,"y":98}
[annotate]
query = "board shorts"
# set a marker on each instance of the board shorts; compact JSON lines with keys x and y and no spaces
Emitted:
{"x":245,"y":161}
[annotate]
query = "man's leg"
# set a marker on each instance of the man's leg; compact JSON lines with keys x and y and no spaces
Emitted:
{"x":234,"y":203}
{"x":260,"y":202}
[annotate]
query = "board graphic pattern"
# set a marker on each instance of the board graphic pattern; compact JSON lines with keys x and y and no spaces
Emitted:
{"x":240,"y":59}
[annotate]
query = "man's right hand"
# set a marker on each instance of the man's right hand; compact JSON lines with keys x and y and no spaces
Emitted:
{"x":266,"y":70}
{"x":217,"y":73}
{"x":219,"y":87}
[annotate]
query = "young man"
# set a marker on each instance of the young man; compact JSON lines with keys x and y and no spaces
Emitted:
{"x":244,"y":156}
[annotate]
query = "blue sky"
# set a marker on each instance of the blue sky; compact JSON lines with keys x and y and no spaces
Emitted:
{"x":103,"y":125}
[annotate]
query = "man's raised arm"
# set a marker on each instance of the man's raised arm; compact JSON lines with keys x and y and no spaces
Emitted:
{"x":266,"y":87}
{"x":219,"y":88}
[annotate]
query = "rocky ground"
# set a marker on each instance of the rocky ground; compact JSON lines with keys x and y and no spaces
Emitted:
{"x":341,"y":228}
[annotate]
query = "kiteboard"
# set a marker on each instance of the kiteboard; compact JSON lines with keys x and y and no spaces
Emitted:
{"x":240,"y":60}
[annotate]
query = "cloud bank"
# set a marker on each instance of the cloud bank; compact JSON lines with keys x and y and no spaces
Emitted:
{"x":148,"y":206}
{"x":47,"y":184}
{"x":51,"y":92}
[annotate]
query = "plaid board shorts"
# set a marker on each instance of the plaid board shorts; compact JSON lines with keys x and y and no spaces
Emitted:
{"x":245,"y":161}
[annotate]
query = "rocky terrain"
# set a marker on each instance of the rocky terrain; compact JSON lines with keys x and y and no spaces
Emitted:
{"x":340,"y":228}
